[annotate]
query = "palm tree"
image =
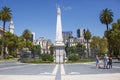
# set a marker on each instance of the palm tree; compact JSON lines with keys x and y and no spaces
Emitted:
{"x":11,"y":43}
{"x":27,"y":35}
{"x":106,"y":17}
{"x":5,"y":16}
{"x":87,"y":36}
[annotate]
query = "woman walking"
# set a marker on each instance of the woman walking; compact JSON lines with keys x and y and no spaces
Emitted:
{"x":97,"y":62}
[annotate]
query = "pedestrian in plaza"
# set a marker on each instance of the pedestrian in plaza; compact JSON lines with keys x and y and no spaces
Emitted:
{"x":109,"y":65}
{"x":97,"y":62}
{"x":105,"y":61}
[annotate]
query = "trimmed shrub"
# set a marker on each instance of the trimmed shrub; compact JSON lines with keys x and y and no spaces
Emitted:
{"x":47,"y":58}
{"x":73,"y":57}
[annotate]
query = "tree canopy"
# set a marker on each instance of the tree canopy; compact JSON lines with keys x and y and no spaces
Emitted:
{"x":114,"y":35}
{"x":5,"y":15}
{"x":106,"y":17}
{"x":98,"y":45}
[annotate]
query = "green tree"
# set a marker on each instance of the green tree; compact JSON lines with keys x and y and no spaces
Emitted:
{"x":51,"y":49}
{"x":72,"y":49}
{"x":27,"y":35}
{"x":103,"y":46}
{"x":11,"y":42}
{"x":73,"y":57}
{"x":80,"y":49}
{"x":106,"y":17}
{"x":29,"y":44}
{"x":36,"y":50}
{"x":47,"y":58}
{"x":5,"y":16}
{"x":114,"y":41}
{"x":0,"y":45}
{"x":98,"y":45}
{"x":87,"y":36}
{"x":21,"y":41}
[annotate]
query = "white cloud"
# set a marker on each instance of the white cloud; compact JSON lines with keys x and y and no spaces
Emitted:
{"x":67,"y":8}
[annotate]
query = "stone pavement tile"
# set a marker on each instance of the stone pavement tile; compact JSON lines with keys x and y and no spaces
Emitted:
{"x":115,"y":76}
{"x":27,"y":77}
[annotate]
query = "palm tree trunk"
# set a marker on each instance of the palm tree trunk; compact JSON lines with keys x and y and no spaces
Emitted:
{"x":2,"y":51}
{"x":107,"y":26}
{"x":26,"y":43}
{"x":108,"y":38}
{"x":87,"y":49}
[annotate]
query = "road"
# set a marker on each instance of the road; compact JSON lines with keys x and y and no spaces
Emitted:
{"x":13,"y":70}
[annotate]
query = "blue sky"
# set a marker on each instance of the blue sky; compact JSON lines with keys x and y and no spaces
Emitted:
{"x":40,"y":16}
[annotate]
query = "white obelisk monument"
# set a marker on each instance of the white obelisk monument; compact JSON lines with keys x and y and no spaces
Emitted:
{"x":59,"y":45}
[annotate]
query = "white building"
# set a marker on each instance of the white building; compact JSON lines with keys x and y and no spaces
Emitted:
{"x":11,"y":27}
{"x":44,"y":44}
{"x":73,"y":41}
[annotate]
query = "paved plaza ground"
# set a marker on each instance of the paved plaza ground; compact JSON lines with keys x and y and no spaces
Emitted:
{"x":12,"y":70}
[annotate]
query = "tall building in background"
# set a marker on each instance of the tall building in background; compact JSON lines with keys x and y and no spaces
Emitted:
{"x":32,"y":37}
{"x":66,"y":35}
{"x":80,"y":33}
{"x":59,"y":45}
{"x":11,"y":27}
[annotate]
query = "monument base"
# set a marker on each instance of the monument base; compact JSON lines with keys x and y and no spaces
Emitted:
{"x":59,"y":54}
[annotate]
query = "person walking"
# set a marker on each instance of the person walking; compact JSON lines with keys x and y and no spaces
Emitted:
{"x":97,"y":62}
{"x":109,"y":66}
{"x":105,"y":61}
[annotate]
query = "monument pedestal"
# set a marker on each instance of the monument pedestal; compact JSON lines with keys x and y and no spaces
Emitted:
{"x":59,"y":54}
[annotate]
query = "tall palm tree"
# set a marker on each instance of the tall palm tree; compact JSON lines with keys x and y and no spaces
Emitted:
{"x":5,"y":16}
{"x":27,"y":35}
{"x":106,"y":17}
{"x":87,"y":36}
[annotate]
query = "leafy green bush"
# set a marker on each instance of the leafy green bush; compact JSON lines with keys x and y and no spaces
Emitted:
{"x":32,"y":61}
{"x":87,"y":60}
{"x":73,"y":57}
{"x":8,"y":57}
{"x":47,"y":58}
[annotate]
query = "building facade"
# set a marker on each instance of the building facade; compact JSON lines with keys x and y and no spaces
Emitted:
{"x":66,"y":35}
{"x":73,"y":41}
{"x":11,"y":27}
{"x":44,"y":44}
